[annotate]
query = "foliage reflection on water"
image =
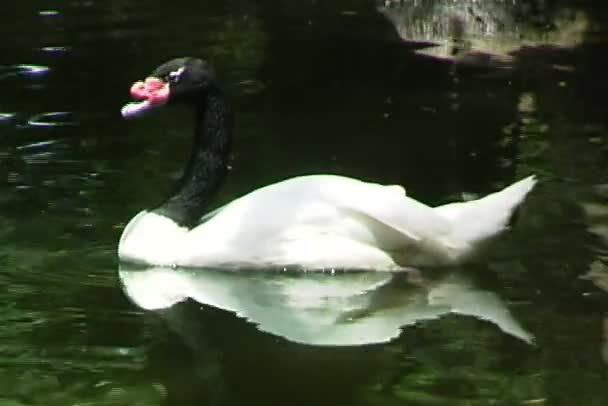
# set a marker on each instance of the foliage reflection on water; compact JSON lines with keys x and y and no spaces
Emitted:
{"x":319,"y":88}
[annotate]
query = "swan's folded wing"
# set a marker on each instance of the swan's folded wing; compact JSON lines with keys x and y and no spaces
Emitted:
{"x":379,"y":233}
{"x":408,"y":217}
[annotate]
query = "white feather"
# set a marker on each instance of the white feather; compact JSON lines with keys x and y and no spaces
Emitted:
{"x":324,"y":221}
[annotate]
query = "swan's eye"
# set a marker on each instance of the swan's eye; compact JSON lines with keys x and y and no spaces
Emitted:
{"x":174,"y":76}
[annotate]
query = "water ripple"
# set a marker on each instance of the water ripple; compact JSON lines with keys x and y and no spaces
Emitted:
{"x":48,"y":13}
{"x":7,"y":117}
{"x":55,"y":49}
{"x":40,"y":157}
{"x":38,"y":145}
{"x":52,"y":119}
{"x":23,"y":70}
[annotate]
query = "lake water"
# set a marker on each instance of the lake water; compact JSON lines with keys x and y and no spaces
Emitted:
{"x":449,"y":99}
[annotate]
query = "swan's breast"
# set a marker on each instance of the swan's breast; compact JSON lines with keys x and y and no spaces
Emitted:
{"x":150,"y":238}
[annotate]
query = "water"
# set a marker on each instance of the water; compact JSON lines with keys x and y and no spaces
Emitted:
{"x":347,"y":87}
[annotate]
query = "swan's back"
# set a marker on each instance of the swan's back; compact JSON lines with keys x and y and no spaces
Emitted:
{"x":312,"y":220}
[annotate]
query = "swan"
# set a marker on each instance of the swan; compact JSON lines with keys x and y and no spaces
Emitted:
{"x":312,"y":222}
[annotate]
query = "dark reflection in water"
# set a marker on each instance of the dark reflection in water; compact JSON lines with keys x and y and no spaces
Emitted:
{"x":449,"y":99}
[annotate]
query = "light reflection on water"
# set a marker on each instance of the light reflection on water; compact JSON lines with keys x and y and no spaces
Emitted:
{"x":52,"y":119}
{"x":5,"y":117}
{"x":23,"y":70}
{"x":55,"y":49}
{"x":37,"y":145}
{"x":48,"y":13}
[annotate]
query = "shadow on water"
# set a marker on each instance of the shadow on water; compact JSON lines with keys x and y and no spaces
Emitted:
{"x":450,"y":99}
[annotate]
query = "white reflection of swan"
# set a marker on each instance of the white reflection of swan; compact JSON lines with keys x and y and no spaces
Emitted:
{"x":321,"y":308}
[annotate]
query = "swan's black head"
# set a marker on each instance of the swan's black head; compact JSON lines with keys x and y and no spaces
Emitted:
{"x":181,"y":80}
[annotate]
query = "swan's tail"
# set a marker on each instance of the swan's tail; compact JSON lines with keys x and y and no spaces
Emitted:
{"x":479,"y":220}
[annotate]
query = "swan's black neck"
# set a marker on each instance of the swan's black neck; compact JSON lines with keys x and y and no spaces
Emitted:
{"x":208,"y":161}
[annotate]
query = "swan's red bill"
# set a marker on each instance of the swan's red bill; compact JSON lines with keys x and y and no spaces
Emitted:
{"x":152,"y":92}
{"x":153,"y":89}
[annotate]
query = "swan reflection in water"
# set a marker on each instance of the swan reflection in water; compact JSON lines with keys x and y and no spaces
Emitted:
{"x":322,"y":308}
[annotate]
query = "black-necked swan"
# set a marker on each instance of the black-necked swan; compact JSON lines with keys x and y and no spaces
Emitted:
{"x":310,"y":222}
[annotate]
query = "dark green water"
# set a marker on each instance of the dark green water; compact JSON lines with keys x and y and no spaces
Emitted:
{"x":318,"y":88}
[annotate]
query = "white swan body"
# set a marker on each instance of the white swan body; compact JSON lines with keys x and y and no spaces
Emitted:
{"x":321,"y":222}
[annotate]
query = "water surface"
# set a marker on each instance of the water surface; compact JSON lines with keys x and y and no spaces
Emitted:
{"x":449,"y":99}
